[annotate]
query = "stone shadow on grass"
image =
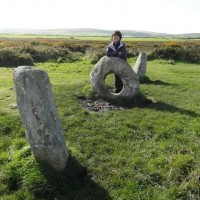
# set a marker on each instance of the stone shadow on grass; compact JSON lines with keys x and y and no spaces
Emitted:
{"x":170,"y":108}
{"x":147,"y":80}
{"x":73,"y":183}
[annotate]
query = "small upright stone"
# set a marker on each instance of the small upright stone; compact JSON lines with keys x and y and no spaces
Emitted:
{"x":141,"y":65}
{"x":39,"y":115}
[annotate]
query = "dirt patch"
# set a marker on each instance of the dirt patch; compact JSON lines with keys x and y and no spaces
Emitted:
{"x":99,"y":105}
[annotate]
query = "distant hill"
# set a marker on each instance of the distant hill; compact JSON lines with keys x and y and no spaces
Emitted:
{"x":95,"y":32}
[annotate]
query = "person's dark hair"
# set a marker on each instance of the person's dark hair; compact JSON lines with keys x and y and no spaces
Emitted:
{"x":117,"y":33}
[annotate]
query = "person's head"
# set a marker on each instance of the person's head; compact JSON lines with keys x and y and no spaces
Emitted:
{"x":116,"y":36}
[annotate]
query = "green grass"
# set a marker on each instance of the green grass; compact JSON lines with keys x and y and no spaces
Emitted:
{"x":29,"y":36}
{"x":149,"y":152}
{"x":101,"y":38}
{"x":131,"y":39}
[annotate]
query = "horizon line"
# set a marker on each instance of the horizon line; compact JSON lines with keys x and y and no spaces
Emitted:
{"x":145,"y":31}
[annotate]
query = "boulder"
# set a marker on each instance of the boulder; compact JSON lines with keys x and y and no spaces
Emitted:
{"x":141,"y":65}
{"x":121,"y":68}
{"x":39,"y":115}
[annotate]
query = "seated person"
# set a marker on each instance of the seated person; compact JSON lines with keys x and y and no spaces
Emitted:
{"x":117,"y":49}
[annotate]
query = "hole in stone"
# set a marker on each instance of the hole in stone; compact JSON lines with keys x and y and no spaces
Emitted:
{"x":114,"y":84}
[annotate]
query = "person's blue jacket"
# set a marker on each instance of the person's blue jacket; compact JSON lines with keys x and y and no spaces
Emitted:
{"x":113,"y":50}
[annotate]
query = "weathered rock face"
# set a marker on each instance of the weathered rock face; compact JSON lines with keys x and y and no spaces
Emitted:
{"x":40,"y":117}
{"x":141,"y":65}
{"x":121,"y":68}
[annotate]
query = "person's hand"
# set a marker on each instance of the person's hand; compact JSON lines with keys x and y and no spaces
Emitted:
{"x":116,"y":53}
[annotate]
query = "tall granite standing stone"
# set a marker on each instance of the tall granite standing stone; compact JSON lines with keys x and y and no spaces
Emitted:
{"x":141,"y":65}
{"x":39,"y":115}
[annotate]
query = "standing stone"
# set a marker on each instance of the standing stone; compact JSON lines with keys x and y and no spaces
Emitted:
{"x":123,"y":70}
{"x":141,"y":65}
{"x":39,"y":115}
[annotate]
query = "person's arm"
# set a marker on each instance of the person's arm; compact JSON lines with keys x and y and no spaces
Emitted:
{"x":111,"y":53}
{"x":123,"y":53}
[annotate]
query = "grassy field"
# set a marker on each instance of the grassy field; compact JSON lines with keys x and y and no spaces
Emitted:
{"x":146,"y":153}
{"x":26,"y":51}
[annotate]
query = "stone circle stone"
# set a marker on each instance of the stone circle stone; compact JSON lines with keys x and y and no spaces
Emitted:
{"x":39,"y":115}
{"x":121,"y":68}
{"x":141,"y":65}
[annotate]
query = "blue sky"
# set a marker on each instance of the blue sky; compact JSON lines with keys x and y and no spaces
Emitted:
{"x":167,"y":16}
